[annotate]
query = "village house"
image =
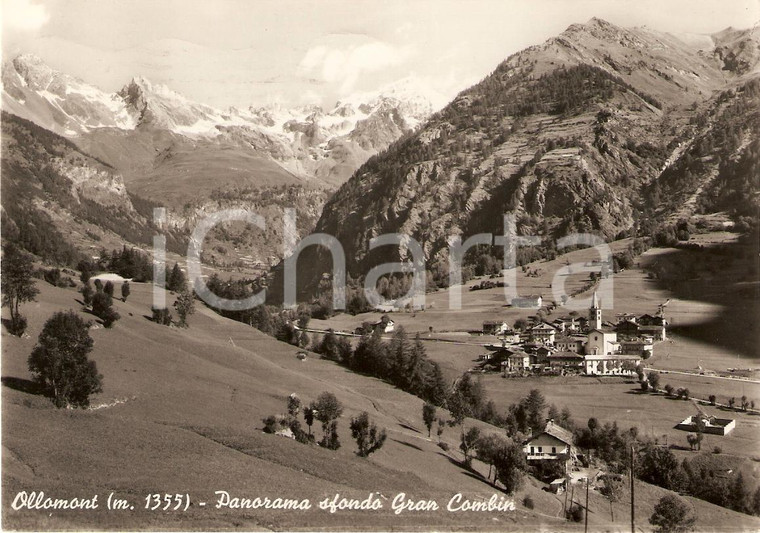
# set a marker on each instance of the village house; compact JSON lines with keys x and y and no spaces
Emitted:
{"x":495,"y":327}
{"x":533,"y":301}
{"x":610,"y":365}
{"x":654,"y":326}
{"x":385,"y":324}
{"x":568,"y":361}
{"x":516,"y":362}
{"x":540,"y":356}
{"x":554,"y":443}
{"x":643,"y":326}
{"x":572,"y":343}
{"x":542,"y":333}
{"x":568,"y":324}
{"x":640,"y":346}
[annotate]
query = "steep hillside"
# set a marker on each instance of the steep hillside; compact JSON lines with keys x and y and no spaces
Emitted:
{"x":59,"y":202}
{"x":181,"y":412}
{"x":567,"y":136}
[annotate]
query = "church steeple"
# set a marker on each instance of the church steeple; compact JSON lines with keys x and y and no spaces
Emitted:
{"x":595,"y":313}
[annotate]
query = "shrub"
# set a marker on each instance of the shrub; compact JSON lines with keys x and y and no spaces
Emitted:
{"x":671,"y":515}
{"x":717,"y":450}
{"x":161,"y":316}
{"x":574,"y":513}
{"x":53,"y":276}
{"x":59,"y":361}
{"x":444,"y":446}
{"x":274,"y":423}
{"x":185,"y":306}
{"x":125,"y":290}
{"x":87,"y":294}
{"x":101,"y":308}
{"x":108,"y":288}
{"x":528,"y":502}
{"x":712,"y":399}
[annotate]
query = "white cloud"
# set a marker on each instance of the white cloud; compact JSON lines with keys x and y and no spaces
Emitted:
{"x":24,"y":15}
{"x":344,"y":64}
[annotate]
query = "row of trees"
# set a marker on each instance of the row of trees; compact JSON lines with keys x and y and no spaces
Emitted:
{"x":399,"y":361}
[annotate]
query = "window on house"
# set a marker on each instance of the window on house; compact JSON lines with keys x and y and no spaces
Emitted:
{"x":554,"y":449}
{"x":539,"y":449}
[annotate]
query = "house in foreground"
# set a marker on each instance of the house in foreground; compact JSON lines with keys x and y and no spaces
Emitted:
{"x":554,"y":443}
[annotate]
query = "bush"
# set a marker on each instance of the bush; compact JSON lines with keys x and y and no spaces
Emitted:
{"x":274,"y":423}
{"x":575,"y":513}
{"x":161,"y":316}
{"x":444,"y":446}
{"x":528,"y":502}
{"x":53,"y":276}
{"x":101,"y":308}
{"x":671,"y":515}
{"x":59,"y":362}
{"x":717,"y":450}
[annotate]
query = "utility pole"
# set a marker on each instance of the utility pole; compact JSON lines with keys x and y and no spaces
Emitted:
{"x":585,"y":529}
{"x":564,"y":507}
{"x":633,"y":526}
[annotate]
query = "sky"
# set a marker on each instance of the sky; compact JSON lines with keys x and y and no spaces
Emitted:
{"x":256,"y":52}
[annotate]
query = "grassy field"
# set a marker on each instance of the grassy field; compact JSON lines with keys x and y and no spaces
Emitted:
{"x":181,"y":412}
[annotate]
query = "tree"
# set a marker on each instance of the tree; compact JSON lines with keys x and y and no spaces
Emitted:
{"x":660,"y":467}
{"x":712,"y":399}
{"x":731,"y":402}
{"x":308,"y":415}
{"x":612,"y":489}
{"x":654,"y":380}
{"x":17,"y":285}
{"x":108,"y":288}
{"x":331,"y":441}
{"x":367,"y":437}
{"x":671,"y":515}
{"x":176,"y":280}
{"x":467,"y":443}
{"x":87,"y":294}
{"x":161,"y":316}
{"x":458,"y":409}
{"x":125,"y":291}
{"x":294,"y":405}
{"x":487,"y":447}
{"x":59,"y":361}
{"x":328,"y":409}
{"x":509,"y":462}
{"x":535,"y":405}
{"x":101,"y":308}
{"x":669,"y":389}
{"x":428,"y":415}
{"x":441,"y":427}
{"x":744,"y":403}
{"x":185,"y":306}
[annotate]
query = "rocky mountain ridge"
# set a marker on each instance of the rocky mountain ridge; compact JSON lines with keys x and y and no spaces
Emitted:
{"x":568,"y":136}
{"x":191,"y":158}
